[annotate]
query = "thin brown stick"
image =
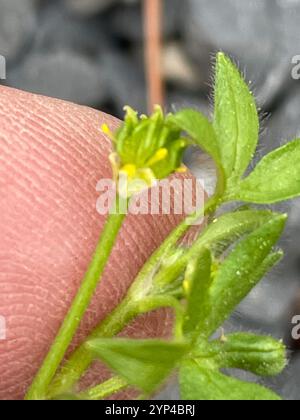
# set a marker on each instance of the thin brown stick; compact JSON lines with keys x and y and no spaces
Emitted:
{"x":153,"y":52}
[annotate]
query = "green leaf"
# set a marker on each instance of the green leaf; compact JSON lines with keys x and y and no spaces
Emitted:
{"x":228,"y":228}
{"x":197,"y":282}
{"x":223,"y":231}
{"x":263,"y":356}
{"x":199,"y":128}
{"x":241,"y":271}
{"x":275,"y":178}
{"x":202,"y":383}
{"x":236,"y":121}
{"x":143,"y":363}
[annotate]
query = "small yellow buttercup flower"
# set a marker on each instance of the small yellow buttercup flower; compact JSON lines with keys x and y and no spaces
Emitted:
{"x":146,"y":149}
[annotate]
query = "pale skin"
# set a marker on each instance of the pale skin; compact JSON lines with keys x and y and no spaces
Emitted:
{"x":52,"y":154}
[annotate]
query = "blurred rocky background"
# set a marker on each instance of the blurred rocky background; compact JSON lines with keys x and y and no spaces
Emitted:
{"x":91,"y":52}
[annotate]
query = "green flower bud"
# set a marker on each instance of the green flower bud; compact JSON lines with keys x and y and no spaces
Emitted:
{"x":261,"y":355}
{"x":146,"y":149}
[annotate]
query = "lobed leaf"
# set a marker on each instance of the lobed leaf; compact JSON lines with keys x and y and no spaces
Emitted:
{"x":241,"y":271}
{"x":207,"y":384}
{"x":229,"y":227}
{"x":275,"y":178}
{"x":223,"y":231}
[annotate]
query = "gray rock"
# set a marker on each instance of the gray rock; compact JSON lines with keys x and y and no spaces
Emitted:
{"x":181,"y":98}
{"x":127,"y":20}
{"x":178,"y":70}
{"x":170,"y":393}
{"x":59,"y":29}
{"x":261,"y":35}
{"x":293,"y":238}
{"x":266,"y":307}
{"x":90,"y":7}
{"x":62,"y":74}
{"x":284,"y":124}
{"x":17,"y":26}
{"x":2,"y":68}
{"x":290,"y":389}
{"x":203,"y":168}
{"x":124,"y":79}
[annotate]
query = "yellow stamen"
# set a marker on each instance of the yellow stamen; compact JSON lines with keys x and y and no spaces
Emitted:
{"x":129,"y":170}
{"x":106,"y":130}
{"x":186,"y":287}
{"x":160,"y":155}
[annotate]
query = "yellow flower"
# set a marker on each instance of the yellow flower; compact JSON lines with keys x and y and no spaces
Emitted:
{"x":146,"y":149}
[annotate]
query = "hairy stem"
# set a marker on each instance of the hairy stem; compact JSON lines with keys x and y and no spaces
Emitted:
{"x":38,"y":389}
{"x":81,"y":359}
{"x":104,"y":390}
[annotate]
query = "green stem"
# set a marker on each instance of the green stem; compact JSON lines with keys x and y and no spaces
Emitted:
{"x":155,"y":302}
{"x":147,"y":305}
{"x":38,"y":389}
{"x":152,"y":265}
{"x":104,"y":390}
{"x":81,"y":359}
